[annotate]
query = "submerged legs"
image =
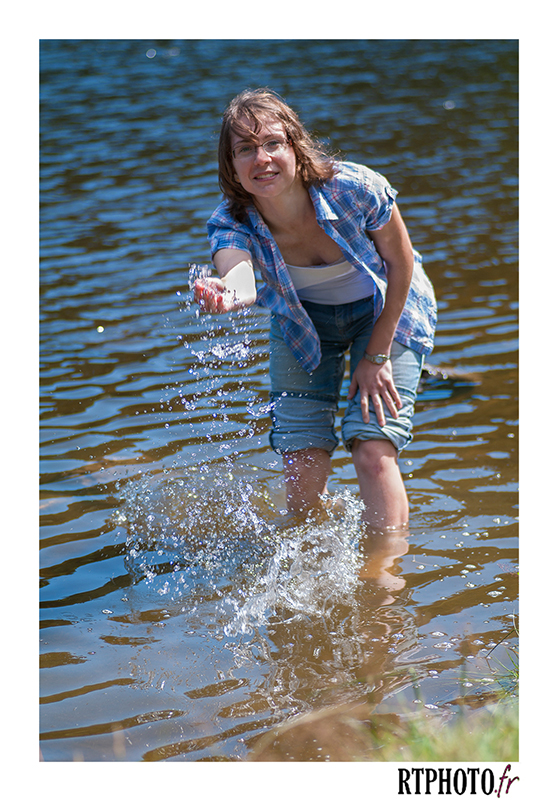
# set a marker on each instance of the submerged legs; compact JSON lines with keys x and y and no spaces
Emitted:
{"x":382,"y":492}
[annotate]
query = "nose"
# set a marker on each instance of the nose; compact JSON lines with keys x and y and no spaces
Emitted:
{"x":261,"y":155}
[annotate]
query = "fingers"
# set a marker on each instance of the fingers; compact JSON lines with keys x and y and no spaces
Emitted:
{"x":377,"y":407}
{"x":364,"y":403}
{"x":388,"y":398}
{"x":212,"y":296}
{"x":377,"y":391}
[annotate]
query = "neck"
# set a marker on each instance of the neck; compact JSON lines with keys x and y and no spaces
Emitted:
{"x":285,"y":212}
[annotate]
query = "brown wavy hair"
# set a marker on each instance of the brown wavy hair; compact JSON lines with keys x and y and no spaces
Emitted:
{"x":245,"y":116}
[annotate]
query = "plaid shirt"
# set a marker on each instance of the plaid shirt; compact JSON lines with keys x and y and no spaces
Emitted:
{"x":354,"y":201}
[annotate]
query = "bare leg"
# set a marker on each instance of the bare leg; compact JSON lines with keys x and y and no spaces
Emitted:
{"x":381,"y":485}
{"x":306,"y":473}
{"x":385,"y":511}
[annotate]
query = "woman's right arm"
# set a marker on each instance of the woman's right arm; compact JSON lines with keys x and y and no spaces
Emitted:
{"x":234,"y":288}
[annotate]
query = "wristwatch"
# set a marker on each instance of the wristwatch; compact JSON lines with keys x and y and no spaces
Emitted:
{"x":378,"y":359}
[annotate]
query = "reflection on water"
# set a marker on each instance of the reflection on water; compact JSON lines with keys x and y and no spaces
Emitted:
{"x":182,"y":613}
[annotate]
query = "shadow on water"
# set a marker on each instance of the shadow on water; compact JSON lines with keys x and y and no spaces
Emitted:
{"x":184,"y":616}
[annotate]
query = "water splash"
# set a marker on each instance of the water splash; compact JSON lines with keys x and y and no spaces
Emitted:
{"x":196,"y":519}
{"x":214,"y":531}
{"x":214,"y":339}
{"x":198,"y":272}
{"x":310,"y":573}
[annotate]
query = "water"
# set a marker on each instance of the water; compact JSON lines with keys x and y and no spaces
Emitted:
{"x":182,"y":616}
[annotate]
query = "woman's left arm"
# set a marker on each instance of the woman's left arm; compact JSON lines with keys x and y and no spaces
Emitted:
{"x":375,"y":381}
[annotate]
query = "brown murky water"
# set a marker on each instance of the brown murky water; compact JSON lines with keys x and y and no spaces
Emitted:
{"x":180,"y":620}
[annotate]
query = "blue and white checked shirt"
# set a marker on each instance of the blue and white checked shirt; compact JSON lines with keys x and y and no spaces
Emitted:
{"x":354,"y":201}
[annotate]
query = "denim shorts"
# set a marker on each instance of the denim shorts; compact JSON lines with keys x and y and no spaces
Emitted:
{"x":304,"y":405}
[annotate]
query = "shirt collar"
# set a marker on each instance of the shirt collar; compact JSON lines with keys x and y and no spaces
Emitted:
{"x":258,"y":223}
{"x":322,"y":208}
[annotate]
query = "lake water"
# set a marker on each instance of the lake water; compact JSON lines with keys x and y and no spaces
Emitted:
{"x":181,"y":619}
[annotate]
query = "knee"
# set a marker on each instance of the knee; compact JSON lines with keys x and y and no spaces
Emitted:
{"x":374,"y":457}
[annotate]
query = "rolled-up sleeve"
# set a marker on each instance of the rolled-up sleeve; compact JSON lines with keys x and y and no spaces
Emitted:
{"x":223,"y":234}
{"x":379,"y":197}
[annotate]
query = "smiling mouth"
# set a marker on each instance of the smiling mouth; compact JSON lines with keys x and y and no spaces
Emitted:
{"x":264,"y":176}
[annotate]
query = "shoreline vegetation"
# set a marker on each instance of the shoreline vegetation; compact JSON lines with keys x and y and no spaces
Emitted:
{"x":351,"y":733}
{"x":483,"y":728}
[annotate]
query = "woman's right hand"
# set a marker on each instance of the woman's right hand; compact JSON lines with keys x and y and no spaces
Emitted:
{"x":235,"y":288}
{"x":213,"y":296}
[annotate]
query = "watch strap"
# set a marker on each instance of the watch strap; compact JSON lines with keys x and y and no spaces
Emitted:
{"x":380,"y":358}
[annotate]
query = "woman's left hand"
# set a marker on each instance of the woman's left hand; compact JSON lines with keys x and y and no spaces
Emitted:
{"x":375,"y":382}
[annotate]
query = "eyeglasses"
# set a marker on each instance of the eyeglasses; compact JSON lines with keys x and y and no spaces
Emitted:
{"x":273,"y":148}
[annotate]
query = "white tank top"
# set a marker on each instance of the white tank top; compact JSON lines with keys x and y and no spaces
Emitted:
{"x":331,"y":284}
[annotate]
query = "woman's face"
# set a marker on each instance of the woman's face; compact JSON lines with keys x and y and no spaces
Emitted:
{"x":265,"y":175}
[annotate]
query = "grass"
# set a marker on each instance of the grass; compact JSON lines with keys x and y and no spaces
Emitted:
{"x":484,"y":727}
{"x":486,"y":734}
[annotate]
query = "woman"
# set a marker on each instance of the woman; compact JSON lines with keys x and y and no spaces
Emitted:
{"x":340,"y":275}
